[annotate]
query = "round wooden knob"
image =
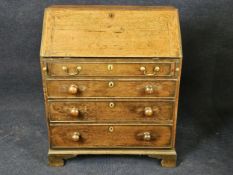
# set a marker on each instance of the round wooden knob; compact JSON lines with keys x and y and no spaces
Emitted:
{"x":149,"y":89}
{"x":146,"y":136}
{"x":73,"y":89}
{"x":74,"y":112}
{"x":148,"y":111}
{"x":76,"y":136}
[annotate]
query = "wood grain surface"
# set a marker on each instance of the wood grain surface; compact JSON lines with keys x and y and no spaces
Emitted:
{"x":101,"y":111}
{"x":111,"y":32}
{"x":100,"y":88}
{"x":111,"y":69}
{"x":100,"y":136}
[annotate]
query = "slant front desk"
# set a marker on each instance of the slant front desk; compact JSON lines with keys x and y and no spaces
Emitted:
{"x":111,"y":78}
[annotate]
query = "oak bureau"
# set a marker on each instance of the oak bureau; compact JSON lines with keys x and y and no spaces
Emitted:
{"x":111,"y":78}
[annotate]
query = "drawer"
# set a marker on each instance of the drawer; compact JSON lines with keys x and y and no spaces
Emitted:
{"x":111,"y":111}
{"x":111,"y":88}
{"x":97,"y":136}
{"x":79,"y":69}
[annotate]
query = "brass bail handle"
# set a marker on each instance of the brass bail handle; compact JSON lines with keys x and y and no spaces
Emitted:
{"x":76,"y":71}
{"x":155,"y":70}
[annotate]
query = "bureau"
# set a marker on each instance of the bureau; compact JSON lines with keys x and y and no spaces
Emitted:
{"x":111,"y":78}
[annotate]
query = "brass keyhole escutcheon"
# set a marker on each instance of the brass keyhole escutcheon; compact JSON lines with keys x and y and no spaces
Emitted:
{"x":111,"y":105}
{"x":111,"y":129}
{"x":110,"y":67}
{"x":111,"y":84}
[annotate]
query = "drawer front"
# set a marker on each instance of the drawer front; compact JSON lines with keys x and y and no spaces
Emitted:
{"x":84,"y":136}
{"x":104,"y":88}
{"x":113,"y":111}
{"x":111,"y":69}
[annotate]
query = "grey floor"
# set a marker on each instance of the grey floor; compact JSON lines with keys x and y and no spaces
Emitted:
{"x":205,"y":122}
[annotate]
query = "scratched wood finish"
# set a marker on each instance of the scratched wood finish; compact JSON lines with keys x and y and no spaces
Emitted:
{"x":100,"y":136}
{"x":121,"y":111}
{"x":111,"y":69}
{"x":100,"y":88}
{"x":111,"y":54}
{"x":92,"y":31}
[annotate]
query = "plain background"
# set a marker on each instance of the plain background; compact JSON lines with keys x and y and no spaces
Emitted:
{"x":204,"y":135}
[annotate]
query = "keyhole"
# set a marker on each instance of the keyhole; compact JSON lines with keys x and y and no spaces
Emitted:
{"x":111,"y":15}
{"x":111,"y":105}
{"x":111,"y":129}
{"x":111,"y":84}
{"x":110,"y":67}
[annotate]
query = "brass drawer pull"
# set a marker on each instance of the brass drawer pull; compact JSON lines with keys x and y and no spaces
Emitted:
{"x":74,"y":112}
{"x":73,"y":89}
{"x":67,"y":70}
{"x":155,"y":71}
{"x":76,"y":136}
{"x":148,"y":111}
{"x":149,"y":89}
{"x":146,"y":136}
